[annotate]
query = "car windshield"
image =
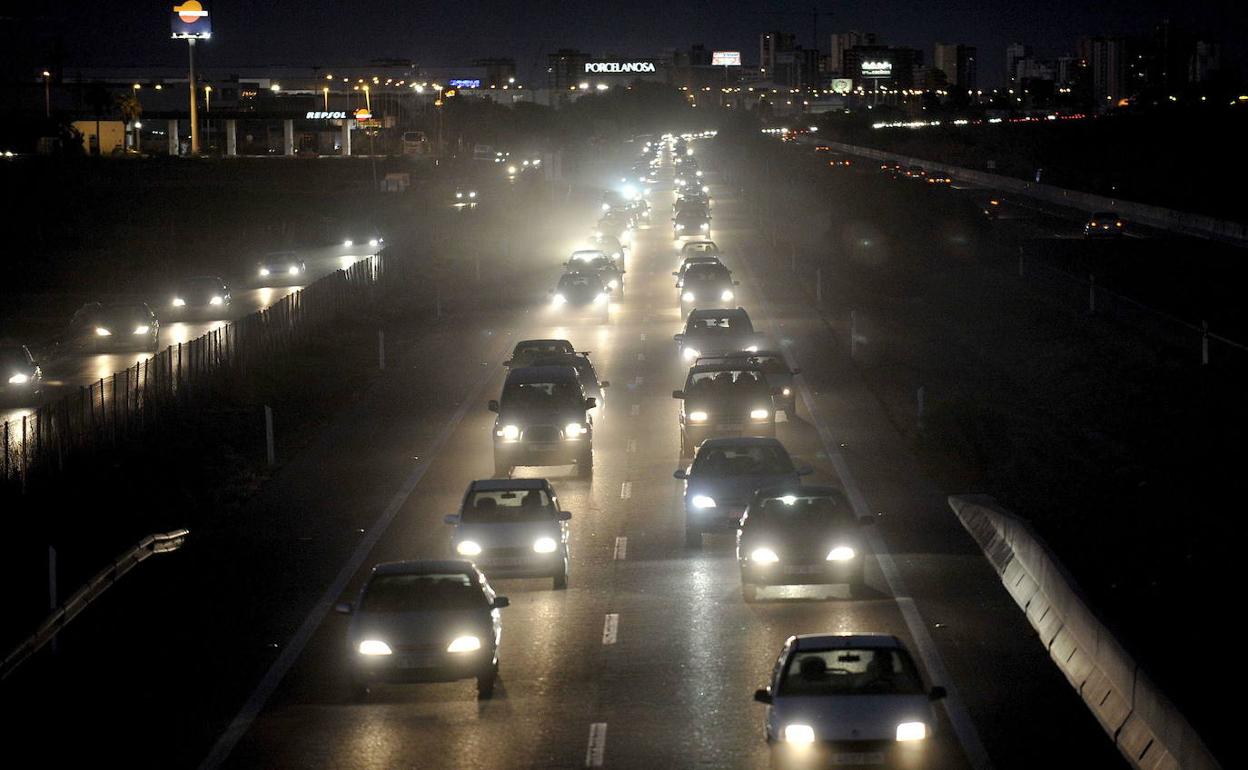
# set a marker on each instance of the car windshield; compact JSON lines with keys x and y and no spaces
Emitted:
{"x":706,"y":272}
{"x":201,"y":284}
{"x":1105,"y":215}
{"x":757,"y":460}
{"x":599,"y":263}
{"x":793,"y":511}
{"x":415,"y":593}
{"x":735,"y":381}
{"x":539,"y":347}
{"x":539,"y":394}
{"x":849,"y":672}
{"x":508,"y":506}
{"x":719,"y":324}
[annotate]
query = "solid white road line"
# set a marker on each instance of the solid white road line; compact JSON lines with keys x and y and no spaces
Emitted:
{"x":626,"y":490}
{"x":621,"y":548}
{"x":597,"y":749}
{"x":294,"y":648}
{"x":610,"y":626}
{"x":968,"y":736}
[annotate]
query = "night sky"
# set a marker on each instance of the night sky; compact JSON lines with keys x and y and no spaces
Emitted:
{"x":329,"y":32}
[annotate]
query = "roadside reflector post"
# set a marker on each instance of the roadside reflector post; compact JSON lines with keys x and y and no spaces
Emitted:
{"x":270,"y":455}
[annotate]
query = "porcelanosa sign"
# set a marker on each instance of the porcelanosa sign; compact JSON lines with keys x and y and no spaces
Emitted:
{"x":643,"y":67}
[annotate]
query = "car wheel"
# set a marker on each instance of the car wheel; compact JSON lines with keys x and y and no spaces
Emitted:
{"x":858,"y":583}
{"x":485,"y":684}
{"x":693,"y":538}
{"x":501,"y":470}
{"x":749,"y":592}
{"x":561,"y":581}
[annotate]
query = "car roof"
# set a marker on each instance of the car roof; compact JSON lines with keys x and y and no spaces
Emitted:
{"x":496,"y":485}
{"x":712,"y":443}
{"x":280,"y":255}
{"x":746,"y":354}
{"x":835,"y":641}
{"x":700,"y":368}
{"x":595,"y":252}
{"x":541,"y":374}
{"x":543,"y":342}
{"x":719,"y":311}
{"x":425,"y":567}
{"x":561,"y":359}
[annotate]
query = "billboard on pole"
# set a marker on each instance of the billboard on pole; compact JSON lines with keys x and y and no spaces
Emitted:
{"x":190,"y":21}
{"x":726,"y":58}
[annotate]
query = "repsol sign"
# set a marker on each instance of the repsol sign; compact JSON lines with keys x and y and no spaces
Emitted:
{"x":620,"y":67}
{"x":318,"y":115}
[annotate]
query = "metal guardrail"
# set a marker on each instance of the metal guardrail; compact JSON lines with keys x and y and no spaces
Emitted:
{"x":1149,"y":730}
{"x":82,"y":598}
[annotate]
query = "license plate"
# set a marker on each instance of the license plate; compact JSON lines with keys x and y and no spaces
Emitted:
{"x":729,"y":426}
{"x":858,"y":759}
{"x":510,"y":561}
{"x":804,"y":570}
{"x":416,"y":661}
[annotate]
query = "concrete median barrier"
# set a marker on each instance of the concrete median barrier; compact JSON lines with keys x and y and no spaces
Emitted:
{"x":1183,"y":222}
{"x":1145,"y":726}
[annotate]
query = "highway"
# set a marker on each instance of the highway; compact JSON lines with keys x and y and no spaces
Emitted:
{"x":650,"y":657}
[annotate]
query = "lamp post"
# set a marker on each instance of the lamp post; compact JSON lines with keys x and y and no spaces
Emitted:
{"x":135,"y":126}
{"x":47,"y":94}
{"x":325,"y":91}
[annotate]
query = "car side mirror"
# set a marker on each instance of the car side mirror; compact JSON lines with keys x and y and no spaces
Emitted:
{"x":492,"y":405}
{"x":937,"y":693}
{"x":605,"y":384}
{"x":590,"y":403}
{"x":804,"y":470}
{"x":500,"y":602}
{"x":676,"y":273}
{"x":679,"y":338}
{"x":763,"y":695}
{"x":678,"y":394}
{"x":681,"y":474}
{"x":452,"y":519}
{"x":343,"y":608}
{"x":565,"y":515}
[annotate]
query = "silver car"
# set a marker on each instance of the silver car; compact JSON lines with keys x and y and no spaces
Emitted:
{"x":513,"y":528}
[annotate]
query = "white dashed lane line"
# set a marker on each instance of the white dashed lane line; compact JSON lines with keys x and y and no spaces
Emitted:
{"x":626,"y":490}
{"x":632,"y":445}
{"x":635,"y":410}
{"x":621,"y":548}
{"x":610,"y":627}
{"x":597,"y":749}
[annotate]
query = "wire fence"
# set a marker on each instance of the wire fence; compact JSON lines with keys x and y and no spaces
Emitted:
{"x":133,"y":401}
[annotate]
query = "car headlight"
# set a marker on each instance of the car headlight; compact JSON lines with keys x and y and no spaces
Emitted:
{"x":786,"y":392}
{"x":691,"y":353}
{"x":458,"y":196}
{"x":264,"y":271}
{"x":217,"y":300}
{"x":752,"y":349}
{"x":573,"y":430}
{"x":705,"y":188}
{"x":726,"y":294}
{"x":841,"y":553}
{"x":19,"y":379}
{"x":468,"y":548}
{"x":373,"y":242}
{"x":511,"y":170}
{"x":600,"y":298}
{"x":702,"y":501}
{"x":687,"y":296}
{"x":680,"y":227}
{"x":759,"y":414}
{"x":558,"y":299}
{"x":373,"y":647}
{"x":545,"y":545}
{"x":606,"y":207}
{"x":466,"y":643}
{"x":911,"y":731}
{"x":472,"y":193}
{"x":100,"y":331}
{"x":294,"y":270}
{"x":614,"y":284}
{"x":179,"y":302}
{"x":142,"y":329}
{"x":704,"y":227}
{"x":698,"y":173}
{"x":801,"y":734}
{"x":510,"y":432}
{"x":348,"y":242}
{"x":698,"y":416}
{"x":764,"y":556}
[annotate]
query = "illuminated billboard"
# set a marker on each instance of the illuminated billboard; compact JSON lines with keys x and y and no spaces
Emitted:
{"x":639,"y":67}
{"x":464,"y":83}
{"x":842,"y":85}
{"x":877,"y":69}
{"x":189,"y":20}
{"x":726,"y":58}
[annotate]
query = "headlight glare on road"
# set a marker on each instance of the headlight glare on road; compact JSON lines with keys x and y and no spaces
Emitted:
{"x":764,"y":556}
{"x":600,"y":298}
{"x":725,"y":295}
{"x":19,"y":379}
{"x":468,"y":548}
{"x":142,"y":329}
{"x":179,"y":302}
{"x":687,"y":296}
{"x":759,"y":414}
{"x":697,"y":416}
{"x":800,"y":734}
{"x":545,"y":545}
{"x":100,"y":331}
{"x":467,"y":643}
{"x":702,"y":501}
{"x":510,"y":432}
{"x":911,"y":731}
{"x":558,"y":300}
{"x":841,"y":553}
{"x":217,"y":300}
{"x":373,"y":647}
{"x":573,"y":430}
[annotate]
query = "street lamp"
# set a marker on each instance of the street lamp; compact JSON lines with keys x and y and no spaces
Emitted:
{"x":325,"y":91}
{"x":47,"y":93}
{"x":207,"y":98}
{"x":368,"y":100}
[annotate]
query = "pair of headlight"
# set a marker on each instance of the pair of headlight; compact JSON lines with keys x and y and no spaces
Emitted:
{"x":805,"y":734}
{"x":768,"y":556}
{"x":473,"y":548}
{"x":460,"y":644}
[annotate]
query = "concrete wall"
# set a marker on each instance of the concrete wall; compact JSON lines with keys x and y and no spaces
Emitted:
{"x":1170,"y":220}
{"x":1145,"y":726}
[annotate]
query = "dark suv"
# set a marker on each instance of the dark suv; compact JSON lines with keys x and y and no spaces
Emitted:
{"x":543,"y":420}
{"x":729,"y":399}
